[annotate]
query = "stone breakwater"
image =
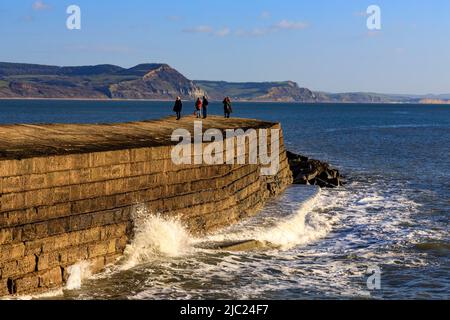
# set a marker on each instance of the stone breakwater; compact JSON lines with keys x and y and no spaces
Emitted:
{"x":68,"y":193}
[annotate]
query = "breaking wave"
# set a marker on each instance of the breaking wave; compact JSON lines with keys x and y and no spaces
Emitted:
{"x":296,"y":224}
{"x":155,"y":236}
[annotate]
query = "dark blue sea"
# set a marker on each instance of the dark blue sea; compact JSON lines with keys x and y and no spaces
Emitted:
{"x":390,"y":221}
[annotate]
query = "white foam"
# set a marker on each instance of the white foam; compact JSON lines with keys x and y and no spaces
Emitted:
{"x":155,"y":235}
{"x":302,"y":226}
{"x":78,"y":273}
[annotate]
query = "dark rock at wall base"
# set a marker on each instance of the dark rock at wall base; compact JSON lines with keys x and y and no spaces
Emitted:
{"x":313,"y":172}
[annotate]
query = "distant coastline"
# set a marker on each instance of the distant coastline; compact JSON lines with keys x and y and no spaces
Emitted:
{"x":160,"y":82}
{"x":434,"y":101}
{"x":424,"y":102}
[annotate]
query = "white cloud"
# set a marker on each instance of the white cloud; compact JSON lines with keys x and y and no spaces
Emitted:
{"x":199,"y":29}
{"x":290,"y":25}
{"x":40,"y":5}
{"x":223,"y":32}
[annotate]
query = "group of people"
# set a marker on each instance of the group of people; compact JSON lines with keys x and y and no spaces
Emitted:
{"x":201,"y":107}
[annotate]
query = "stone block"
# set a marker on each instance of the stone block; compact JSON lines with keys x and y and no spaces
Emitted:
{"x":6,"y":236}
{"x":98,"y":249}
{"x":83,"y":175}
{"x":12,"y":184}
{"x":10,"y":168}
{"x":113,"y":231}
{"x":12,"y":201}
{"x":60,"y":178}
{"x":58,"y":226}
{"x":140,"y":155}
{"x":51,"y":278}
{"x":4,"y":287}
{"x":26,"y":284}
{"x":17,"y":267}
{"x":80,"y":222}
{"x":12,"y":252}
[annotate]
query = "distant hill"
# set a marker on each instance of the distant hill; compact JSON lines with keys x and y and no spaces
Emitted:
{"x":364,"y":97}
{"x":161,"y":82}
{"x":144,"y":81}
{"x":434,"y":101}
{"x":367,"y":97}
{"x":287,"y":91}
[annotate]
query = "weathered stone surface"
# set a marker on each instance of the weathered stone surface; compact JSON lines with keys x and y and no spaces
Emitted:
{"x":4,"y":287}
{"x":11,"y":252}
{"x":35,"y":282}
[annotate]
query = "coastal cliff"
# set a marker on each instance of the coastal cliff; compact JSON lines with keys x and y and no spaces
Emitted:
{"x":144,"y":81}
{"x":158,"y":81}
{"x":69,"y":193}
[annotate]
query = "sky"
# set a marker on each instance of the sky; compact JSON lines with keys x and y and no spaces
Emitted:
{"x":322,"y":44}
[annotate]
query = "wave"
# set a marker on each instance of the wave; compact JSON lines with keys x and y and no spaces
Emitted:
{"x":155,"y":236}
{"x":158,"y":237}
{"x":299,"y":227}
{"x":304,"y":226}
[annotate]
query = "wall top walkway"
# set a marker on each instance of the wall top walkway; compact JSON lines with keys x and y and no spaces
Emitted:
{"x":21,"y":141}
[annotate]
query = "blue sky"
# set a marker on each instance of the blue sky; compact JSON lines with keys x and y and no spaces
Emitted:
{"x":322,"y":44}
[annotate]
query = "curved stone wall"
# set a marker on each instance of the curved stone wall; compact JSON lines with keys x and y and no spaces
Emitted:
{"x":77,"y":205}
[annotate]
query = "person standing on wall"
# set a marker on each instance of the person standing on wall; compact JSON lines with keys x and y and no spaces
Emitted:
{"x":177,"y":107}
{"x":227,"y":107}
{"x":198,"y":108}
{"x":205,"y":107}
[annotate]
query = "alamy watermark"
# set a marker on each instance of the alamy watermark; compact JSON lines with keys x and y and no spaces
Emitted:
{"x":374,"y":17}
{"x":373,"y":13}
{"x":374,"y":280}
{"x":73,"y":22}
{"x":214,"y":147}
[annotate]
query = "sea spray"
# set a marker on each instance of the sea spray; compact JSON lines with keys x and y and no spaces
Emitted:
{"x":303,"y":226}
{"x":78,"y":273}
{"x":155,"y":236}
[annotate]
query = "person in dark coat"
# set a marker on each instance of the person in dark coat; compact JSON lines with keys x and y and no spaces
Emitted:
{"x":205,"y":107}
{"x":227,"y":107}
{"x":177,"y":107}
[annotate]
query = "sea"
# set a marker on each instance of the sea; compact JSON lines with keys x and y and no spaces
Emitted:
{"x":384,"y":235}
